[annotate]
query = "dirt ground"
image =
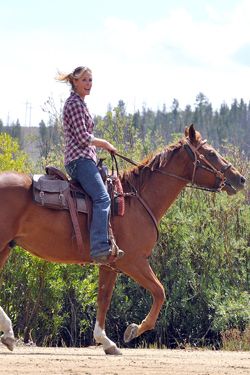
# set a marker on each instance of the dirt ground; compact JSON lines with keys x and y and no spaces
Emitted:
{"x":92,"y":360}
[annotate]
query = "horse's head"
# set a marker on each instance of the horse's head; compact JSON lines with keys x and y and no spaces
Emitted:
{"x":208,"y":168}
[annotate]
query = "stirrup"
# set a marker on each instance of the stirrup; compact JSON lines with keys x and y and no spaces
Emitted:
{"x":113,"y":255}
{"x":116,"y":254}
{"x":114,"y":247}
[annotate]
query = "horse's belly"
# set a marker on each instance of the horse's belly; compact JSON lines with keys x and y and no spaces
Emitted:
{"x":49,"y":234}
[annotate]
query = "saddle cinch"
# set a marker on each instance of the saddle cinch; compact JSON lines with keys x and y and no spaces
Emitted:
{"x":55,"y":191}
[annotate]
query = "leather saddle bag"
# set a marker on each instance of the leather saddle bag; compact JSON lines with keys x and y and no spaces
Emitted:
{"x":52,"y":191}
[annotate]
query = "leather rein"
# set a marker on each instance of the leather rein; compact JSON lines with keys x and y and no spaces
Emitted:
{"x":199,"y":161}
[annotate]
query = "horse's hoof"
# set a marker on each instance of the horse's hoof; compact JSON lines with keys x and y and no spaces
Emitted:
{"x":9,"y":342}
{"x":113,"y":350}
{"x":131,"y":332}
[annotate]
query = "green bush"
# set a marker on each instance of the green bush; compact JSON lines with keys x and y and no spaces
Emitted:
{"x":234,"y":339}
{"x":50,"y":304}
{"x":11,"y":157}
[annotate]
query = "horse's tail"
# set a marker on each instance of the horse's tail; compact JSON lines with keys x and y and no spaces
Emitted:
{"x":14,"y":197}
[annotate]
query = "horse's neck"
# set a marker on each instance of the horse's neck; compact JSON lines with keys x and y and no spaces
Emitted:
{"x":161,"y":191}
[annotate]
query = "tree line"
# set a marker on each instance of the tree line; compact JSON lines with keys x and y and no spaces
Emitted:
{"x":228,"y":124}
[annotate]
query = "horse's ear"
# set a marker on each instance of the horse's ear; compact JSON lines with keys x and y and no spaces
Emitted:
{"x":192,"y":133}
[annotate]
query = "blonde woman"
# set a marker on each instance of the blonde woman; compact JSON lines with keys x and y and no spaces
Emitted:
{"x":80,"y":160}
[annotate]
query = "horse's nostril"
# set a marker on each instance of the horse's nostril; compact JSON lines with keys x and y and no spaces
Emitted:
{"x":242,"y":180}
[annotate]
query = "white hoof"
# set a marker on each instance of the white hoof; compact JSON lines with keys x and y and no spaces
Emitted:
{"x":113,"y":350}
{"x":9,"y":342}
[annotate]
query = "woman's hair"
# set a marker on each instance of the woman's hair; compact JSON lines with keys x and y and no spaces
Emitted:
{"x":76,"y":74}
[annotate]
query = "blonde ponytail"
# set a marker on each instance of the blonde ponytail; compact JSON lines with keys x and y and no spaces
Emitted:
{"x":69,"y":77}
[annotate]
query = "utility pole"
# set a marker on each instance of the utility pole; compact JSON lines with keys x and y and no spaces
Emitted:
{"x":28,"y":108}
{"x":8,"y":119}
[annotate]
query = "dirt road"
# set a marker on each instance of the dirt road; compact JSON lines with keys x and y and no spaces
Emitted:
{"x":93,"y":361}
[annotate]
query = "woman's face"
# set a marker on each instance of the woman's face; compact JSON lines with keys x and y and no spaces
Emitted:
{"x":83,"y":84}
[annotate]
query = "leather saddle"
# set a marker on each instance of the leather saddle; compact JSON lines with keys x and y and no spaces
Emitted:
{"x":54,"y":190}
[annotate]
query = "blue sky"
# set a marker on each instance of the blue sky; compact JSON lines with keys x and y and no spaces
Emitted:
{"x":145,"y":53}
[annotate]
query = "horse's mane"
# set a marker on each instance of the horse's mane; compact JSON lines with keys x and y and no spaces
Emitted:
{"x":138,"y":175}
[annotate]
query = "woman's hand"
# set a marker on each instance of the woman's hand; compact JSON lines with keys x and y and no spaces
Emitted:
{"x":109,"y":147}
{"x":99,"y":142}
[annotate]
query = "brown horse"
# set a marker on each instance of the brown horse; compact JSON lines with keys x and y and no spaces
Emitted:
{"x":155,"y":185}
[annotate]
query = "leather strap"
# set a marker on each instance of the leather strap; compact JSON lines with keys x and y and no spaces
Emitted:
{"x":75,"y":222}
{"x":140,"y":199}
{"x":127,"y":159}
{"x":146,"y":206}
{"x":148,"y":209}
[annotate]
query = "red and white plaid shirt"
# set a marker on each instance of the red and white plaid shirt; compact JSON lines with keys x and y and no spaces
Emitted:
{"x":78,"y":130}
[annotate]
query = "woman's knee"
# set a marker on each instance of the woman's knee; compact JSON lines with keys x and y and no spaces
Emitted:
{"x":103,"y":198}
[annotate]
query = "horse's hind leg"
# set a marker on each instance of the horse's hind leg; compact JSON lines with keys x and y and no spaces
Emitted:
{"x":7,"y":338}
{"x":107,"y":278}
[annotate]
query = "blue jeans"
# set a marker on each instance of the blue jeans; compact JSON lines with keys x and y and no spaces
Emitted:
{"x":87,"y":174}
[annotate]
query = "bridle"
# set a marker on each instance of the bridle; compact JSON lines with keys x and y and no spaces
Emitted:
{"x":199,"y":161}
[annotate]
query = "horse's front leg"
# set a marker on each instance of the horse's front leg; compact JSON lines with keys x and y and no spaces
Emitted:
{"x":107,"y":278}
{"x":142,"y":273}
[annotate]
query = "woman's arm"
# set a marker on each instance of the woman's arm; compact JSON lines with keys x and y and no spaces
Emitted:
{"x":99,"y":142}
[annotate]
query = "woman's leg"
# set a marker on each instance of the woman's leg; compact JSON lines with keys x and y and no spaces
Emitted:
{"x":87,"y":174}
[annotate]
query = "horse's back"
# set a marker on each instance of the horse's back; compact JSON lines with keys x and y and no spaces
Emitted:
{"x":15,"y":195}
{"x":14,"y":179}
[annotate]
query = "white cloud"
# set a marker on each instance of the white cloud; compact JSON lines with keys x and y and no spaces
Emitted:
{"x":176,"y":56}
{"x":178,"y":51}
